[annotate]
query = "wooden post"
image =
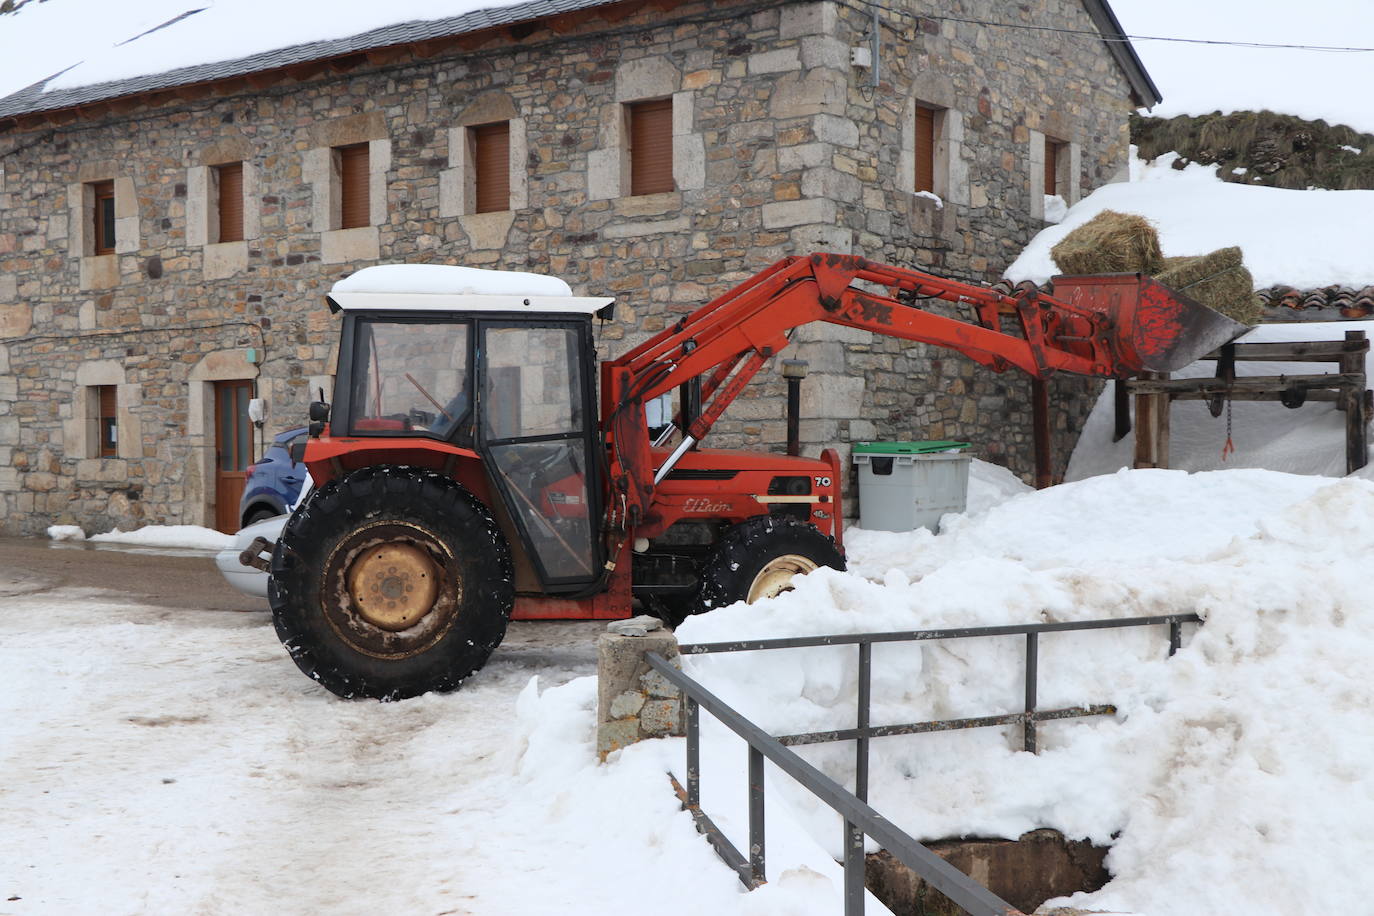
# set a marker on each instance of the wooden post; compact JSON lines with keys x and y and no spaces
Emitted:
{"x":1354,"y":402}
{"x":1121,"y":410}
{"x":1152,"y":426}
{"x":1040,"y":424}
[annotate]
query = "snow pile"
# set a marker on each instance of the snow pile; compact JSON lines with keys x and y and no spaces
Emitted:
{"x":1055,"y":208}
{"x":1197,"y":79}
{"x":66,"y":533}
{"x":1224,"y":767}
{"x":1306,"y":440}
{"x":989,"y":485}
{"x":192,"y":537}
{"x":1297,"y":238}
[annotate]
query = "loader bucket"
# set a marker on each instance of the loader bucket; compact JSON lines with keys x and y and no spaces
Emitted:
{"x":1156,"y":329}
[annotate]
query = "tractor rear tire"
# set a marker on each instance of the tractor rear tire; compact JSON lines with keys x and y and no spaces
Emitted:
{"x":758,"y":558}
{"x":391,"y":582}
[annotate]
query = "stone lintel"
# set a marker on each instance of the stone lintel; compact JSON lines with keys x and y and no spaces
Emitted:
{"x":339,"y":246}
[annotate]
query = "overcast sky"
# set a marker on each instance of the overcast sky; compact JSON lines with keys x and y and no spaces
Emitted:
{"x":1195,"y":79}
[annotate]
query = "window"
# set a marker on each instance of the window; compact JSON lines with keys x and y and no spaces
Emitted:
{"x":107,"y":426}
{"x":651,"y":147}
{"x":229,"y":180}
{"x":925,"y":148}
{"x":103,"y":214}
{"x":1053,"y":151}
{"x":491,"y":167}
{"x":351,"y":163}
{"x":411,"y":379}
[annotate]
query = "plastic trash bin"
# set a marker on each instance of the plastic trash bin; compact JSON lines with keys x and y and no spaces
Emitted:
{"x":909,"y":485}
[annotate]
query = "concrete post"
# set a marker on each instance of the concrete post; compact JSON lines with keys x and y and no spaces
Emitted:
{"x":634,"y":702}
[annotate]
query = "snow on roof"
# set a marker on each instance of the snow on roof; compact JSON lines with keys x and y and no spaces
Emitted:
{"x":1303,"y":239}
{"x":1197,"y":79}
{"x":446,"y":280}
{"x":124,"y":48}
{"x":439,"y":287}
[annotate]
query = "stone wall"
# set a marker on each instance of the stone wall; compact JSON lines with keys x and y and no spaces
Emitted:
{"x":779,"y":145}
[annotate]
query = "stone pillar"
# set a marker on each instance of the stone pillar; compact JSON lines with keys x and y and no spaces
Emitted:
{"x":633,"y":701}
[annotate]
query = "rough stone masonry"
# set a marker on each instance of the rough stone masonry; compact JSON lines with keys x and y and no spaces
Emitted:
{"x":780,"y":146}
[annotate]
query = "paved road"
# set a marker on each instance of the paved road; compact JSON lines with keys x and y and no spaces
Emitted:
{"x":188,"y":580}
{"x":176,"y":579}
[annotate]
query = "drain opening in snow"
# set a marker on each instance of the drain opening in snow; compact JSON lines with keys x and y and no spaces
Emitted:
{"x":1026,"y":872}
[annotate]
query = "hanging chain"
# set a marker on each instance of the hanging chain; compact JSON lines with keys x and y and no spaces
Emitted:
{"x":1229,"y":448}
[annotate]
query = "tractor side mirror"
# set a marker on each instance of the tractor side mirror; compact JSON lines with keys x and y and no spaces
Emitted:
{"x":319,"y":415}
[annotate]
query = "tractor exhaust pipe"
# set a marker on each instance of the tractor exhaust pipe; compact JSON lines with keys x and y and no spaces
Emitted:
{"x":794,"y":370}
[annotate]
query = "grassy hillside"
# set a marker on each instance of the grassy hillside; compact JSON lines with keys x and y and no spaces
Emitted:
{"x":1279,"y":151}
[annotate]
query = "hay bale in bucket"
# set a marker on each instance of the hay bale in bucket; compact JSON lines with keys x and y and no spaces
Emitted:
{"x":1109,"y":243}
{"x":1218,"y":280}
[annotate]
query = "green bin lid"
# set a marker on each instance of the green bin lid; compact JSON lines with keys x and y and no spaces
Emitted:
{"x":906,"y":448}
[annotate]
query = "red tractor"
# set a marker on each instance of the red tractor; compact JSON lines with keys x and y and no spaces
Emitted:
{"x":465,"y":476}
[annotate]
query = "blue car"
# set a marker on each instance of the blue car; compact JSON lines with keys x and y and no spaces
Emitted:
{"x":274,"y":482}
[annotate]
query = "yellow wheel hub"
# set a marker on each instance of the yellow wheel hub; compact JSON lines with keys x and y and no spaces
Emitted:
{"x":393,"y":586}
{"x":776,"y":576}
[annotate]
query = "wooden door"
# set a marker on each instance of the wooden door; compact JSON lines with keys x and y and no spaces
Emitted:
{"x":233,"y":450}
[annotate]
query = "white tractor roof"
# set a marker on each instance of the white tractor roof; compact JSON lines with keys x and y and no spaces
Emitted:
{"x":443,"y":288}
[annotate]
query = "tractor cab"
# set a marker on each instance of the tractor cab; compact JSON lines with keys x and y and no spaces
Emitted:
{"x":439,"y":364}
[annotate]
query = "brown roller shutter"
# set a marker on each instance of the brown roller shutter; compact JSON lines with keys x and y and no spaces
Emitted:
{"x":231,"y":202}
{"x":353,"y":186}
{"x":109,"y":445}
{"x":651,"y":147}
{"x":491,"y":157}
{"x":1052,"y":148}
{"x":925,"y":149}
{"x":104,"y":217}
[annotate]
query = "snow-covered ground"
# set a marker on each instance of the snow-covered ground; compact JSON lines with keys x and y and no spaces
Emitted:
{"x":1232,"y":778}
{"x":160,"y":762}
{"x":1299,"y":238}
{"x":153,"y":762}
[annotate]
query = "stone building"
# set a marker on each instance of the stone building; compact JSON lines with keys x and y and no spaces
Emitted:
{"x":166,"y":239}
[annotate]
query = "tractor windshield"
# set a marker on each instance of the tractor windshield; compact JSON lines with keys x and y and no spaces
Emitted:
{"x":412,"y":378}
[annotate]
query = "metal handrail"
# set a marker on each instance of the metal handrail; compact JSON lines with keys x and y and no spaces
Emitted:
{"x":859,"y":818}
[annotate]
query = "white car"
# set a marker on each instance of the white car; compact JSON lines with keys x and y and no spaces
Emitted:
{"x":247,"y":579}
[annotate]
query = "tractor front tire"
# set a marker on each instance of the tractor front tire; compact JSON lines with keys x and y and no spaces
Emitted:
{"x":758,"y":558}
{"x":391,"y":582}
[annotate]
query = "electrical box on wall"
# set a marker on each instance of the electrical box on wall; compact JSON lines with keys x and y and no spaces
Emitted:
{"x":861,"y":57}
{"x":251,"y":355}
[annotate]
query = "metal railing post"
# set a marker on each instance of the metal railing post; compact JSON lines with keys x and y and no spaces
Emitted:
{"x":1175,"y":636}
{"x":865,"y":698}
{"x":1032,"y":673}
{"x":756,"y":822}
{"x":693,"y":752}
{"x":853,"y":870}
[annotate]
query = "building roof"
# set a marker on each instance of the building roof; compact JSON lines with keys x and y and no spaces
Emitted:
{"x":35,"y":100}
{"x":1147,"y":94}
{"x":1282,"y":304}
{"x":1329,"y":303}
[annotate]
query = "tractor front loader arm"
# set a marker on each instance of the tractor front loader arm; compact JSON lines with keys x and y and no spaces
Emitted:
{"x":732,"y":337}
